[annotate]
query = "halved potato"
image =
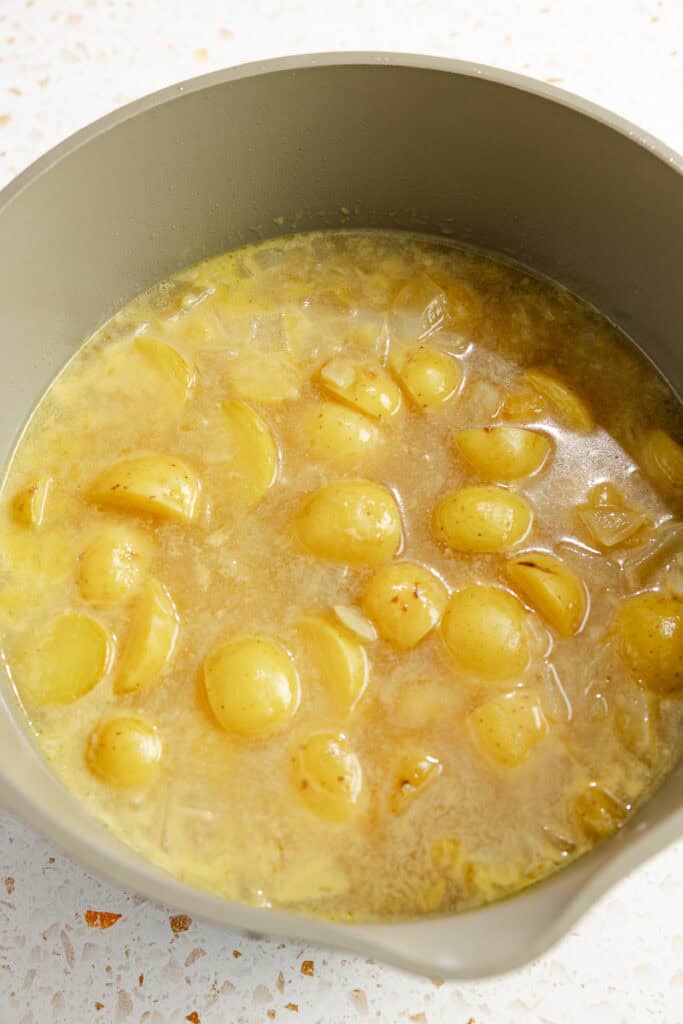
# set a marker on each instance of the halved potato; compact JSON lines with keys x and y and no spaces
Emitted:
{"x":351,"y":521}
{"x":328,"y":777}
{"x":253,"y":454}
{"x":430,"y":377}
{"x":414,"y":773}
{"x":165,"y":360}
{"x":508,"y":727}
{"x":333,"y":432}
{"x":562,"y":400}
{"x":365,"y":386}
{"x":598,"y":812}
{"x":29,"y":507}
{"x":484,"y":629}
{"x":340,"y":660}
{"x":504,"y":453}
{"x":482,"y":520}
{"x":662,"y":461}
{"x":113,"y":563}
{"x":151,"y":640}
{"x":649,"y":635}
{"x":67,"y":662}
{"x":124,"y":752}
{"x":552,"y":588}
{"x":160,"y":485}
{"x":405,"y":601}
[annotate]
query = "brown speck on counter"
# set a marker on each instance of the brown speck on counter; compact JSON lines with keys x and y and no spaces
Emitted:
{"x":270,"y":1014}
{"x":9,"y":885}
{"x":201,"y":54}
{"x":418,"y":1018}
{"x":179,"y":923}
{"x":236,"y":953}
{"x":193,"y":1018}
{"x":100,"y":919}
{"x":5,"y":119}
{"x":359,"y":1000}
{"x":50,"y":860}
{"x":225,"y":33}
{"x":294,"y":1007}
{"x":99,"y":1006}
{"x":280,"y":982}
{"x":141,"y":979}
{"x":437,"y":982}
{"x":308,"y":968}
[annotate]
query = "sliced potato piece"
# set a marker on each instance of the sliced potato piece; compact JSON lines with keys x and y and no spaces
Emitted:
{"x":508,"y":727}
{"x":599,"y":813}
{"x":124,"y":752}
{"x":662,"y":461}
{"x":351,"y":521}
{"x":366,"y":387}
{"x":113,"y":564}
{"x":355,"y":622}
{"x":562,"y":400}
{"x":405,"y":601}
{"x":151,"y":640}
{"x":550,"y":586}
{"x":253,"y":452}
{"x":430,"y":377}
{"x":69,"y":661}
{"x":333,"y":432}
{"x":340,"y":660}
{"x":414,"y":773}
{"x":168,"y":363}
{"x":649,"y":636}
{"x":484,"y":629}
{"x":328,"y":776}
{"x":608,"y":519}
{"x":252,"y":686}
{"x":482,"y":519}
{"x":504,"y":453}
{"x":29,"y":507}
{"x":159,"y":485}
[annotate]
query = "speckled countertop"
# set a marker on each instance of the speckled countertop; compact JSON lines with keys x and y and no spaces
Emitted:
{"x":64,"y":63}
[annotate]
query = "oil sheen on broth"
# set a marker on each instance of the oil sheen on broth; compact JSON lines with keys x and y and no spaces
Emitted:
{"x":344,"y":572}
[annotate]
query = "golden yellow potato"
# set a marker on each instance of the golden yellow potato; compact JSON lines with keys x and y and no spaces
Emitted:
{"x":508,"y":727}
{"x":649,"y":636}
{"x":340,"y":660}
{"x":253,"y":454}
{"x":29,"y":507}
{"x":484,"y":629}
{"x":430,"y":378}
{"x":356,"y":522}
{"x":331,"y":431}
{"x":598,"y":813}
{"x":503,"y":453}
{"x":353,"y":620}
{"x":151,"y":640}
{"x":414,"y":773}
{"x":124,"y":752}
{"x":252,"y":686}
{"x":550,"y":586}
{"x":327,"y":776}
{"x":366,"y":387}
{"x":160,"y":485}
{"x":608,"y":519}
{"x":168,"y":363}
{"x":482,"y":519}
{"x":113,"y":564}
{"x":662,"y":461}
{"x":265,"y":377}
{"x":405,"y":601}
{"x":562,"y":400}
{"x":523,"y":405}
{"x":68,"y":662}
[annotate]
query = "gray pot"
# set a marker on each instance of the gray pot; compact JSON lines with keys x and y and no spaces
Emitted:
{"x":312,"y":142}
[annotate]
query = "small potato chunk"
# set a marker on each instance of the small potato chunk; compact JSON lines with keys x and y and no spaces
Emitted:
{"x":482,"y":519}
{"x":550,"y":586}
{"x":607,"y":518}
{"x":253,"y":452}
{"x":508,"y":727}
{"x":124,"y":752}
{"x":159,"y":485}
{"x":151,"y":639}
{"x":340,"y":660}
{"x":523,"y":405}
{"x":413,"y":775}
{"x":337,"y":434}
{"x":168,"y":363}
{"x":405,"y":601}
{"x":356,"y":522}
{"x":29,"y":507}
{"x":649,"y":635}
{"x":328,"y":776}
{"x":252,"y":686}
{"x":74,"y":655}
{"x":113,"y":563}
{"x":562,"y":400}
{"x":662,"y":461}
{"x":598,"y":813}
{"x":503,"y":453}
{"x":368,"y":388}
{"x":430,"y":378}
{"x":484,"y":629}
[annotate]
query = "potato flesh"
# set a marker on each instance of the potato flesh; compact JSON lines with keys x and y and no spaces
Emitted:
{"x":482,"y":520}
{"x":124,"y":752}
{"x":508,"y":727}
{"x":327,"y":776}
{"x":340,"y":660}
{"x":414,"y":773}
{"x":30,"y":505}
{"x":352,"y":521}
{"x":405,"y":601}
{"x":151,"y":640}
{"x":253,"y":454}
{"x":72,"y":658}
{"x":563,"y":401}
{"x":112,"y":564}
{"x":484,"y":629}
{"x":337,"y":434}
{"x":552,"y":588}
{"x":367,"y":388}
{"x":169,"y":364}
{"x":503,"y":453}
{"x":158,"y":485}
{"x":430,"y":378}
{"x":649,"y":635}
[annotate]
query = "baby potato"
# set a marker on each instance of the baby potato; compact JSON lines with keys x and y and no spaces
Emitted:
{"x":113,"y":563}
{"x":563,"y":400}
{"x":429,"y":377}
{"x":608,"y":519}
{"x":550,"y":586}
{"x":335,"y":433}
{"x":649,"y":636}
{"x":662,"y":461}
{"x":405,"y":601}
{"x":503,"y":453}
{"x":69,"y":661}
{"x":366,"y":387}
{"x":29,"y":507}
{"x":482,"y":519}
{"x":484,"y":629}
{"x":340,"y":660}
{"x":151,"y":640}
{"x":159,"y":485}
{"x":252,"y":686}
{"x":356,"y":522}
{"x":124,"y":752}
{"x":414,"y":773}
{"x":168,"y":363}
{"x":328,"y":776}
{"x":253,"y":453}
{"x":508,"y":727}
{"x":598,"y":813}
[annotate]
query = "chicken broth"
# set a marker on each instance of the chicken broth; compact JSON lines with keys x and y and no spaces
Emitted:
{"x":343,"y":572}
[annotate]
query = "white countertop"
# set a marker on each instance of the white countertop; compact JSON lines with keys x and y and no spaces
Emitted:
{"x":62,"y":64}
